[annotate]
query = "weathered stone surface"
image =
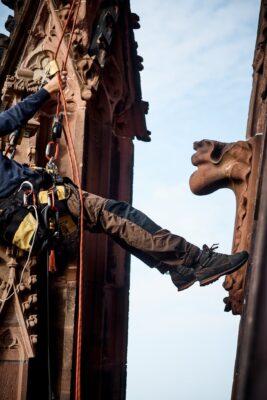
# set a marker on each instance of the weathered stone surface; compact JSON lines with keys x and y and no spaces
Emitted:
{"x":233,"y":166}
{"x":105,"y":107}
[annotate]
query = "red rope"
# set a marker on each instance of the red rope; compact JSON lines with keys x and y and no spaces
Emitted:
{"x":69,"y":154}
{"x":80,"y":292}
{"x":71,"y":34}
{"x":59,"y":44}
{"x":79,"y":317}
{"x":75,"y":169}
{"x":65,"y":28}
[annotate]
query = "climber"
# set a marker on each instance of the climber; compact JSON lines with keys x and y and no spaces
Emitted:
{"x":133,"y":230}
{"x":12,"y":173}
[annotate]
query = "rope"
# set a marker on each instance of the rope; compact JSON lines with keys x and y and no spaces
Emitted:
{"x":79,"y":317}
{"x":69,"y":154}
{"x":72,"y":33}
{"x":65,"y":27}
{"x":74,"y":170}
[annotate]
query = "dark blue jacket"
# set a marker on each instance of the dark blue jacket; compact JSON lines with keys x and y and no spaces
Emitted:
{"x":13,"y":174}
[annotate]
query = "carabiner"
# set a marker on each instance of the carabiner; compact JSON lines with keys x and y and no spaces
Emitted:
{"x":48,"y":148}
{"x":27,"y":188}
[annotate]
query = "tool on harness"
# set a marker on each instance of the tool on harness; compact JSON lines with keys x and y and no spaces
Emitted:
{"x":50,"y":157}
{"x":50,"y":218}
{"x":27,"y":188}
{"x":34,"y":219}
{"x":15,"y":139}
{"x":65,"y":223}
{"x":18,"y":222}
{"x":57,"y":127}
{"x":63,"y":231}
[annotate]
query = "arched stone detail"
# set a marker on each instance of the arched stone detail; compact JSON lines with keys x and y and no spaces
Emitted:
{"x":12,"y":350}
{"x":8,"y":341}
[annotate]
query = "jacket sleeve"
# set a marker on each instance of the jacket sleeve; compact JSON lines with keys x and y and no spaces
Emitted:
{"x":17,"y":115}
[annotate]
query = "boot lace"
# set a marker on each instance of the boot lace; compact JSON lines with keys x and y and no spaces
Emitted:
{"x":208,"y":253}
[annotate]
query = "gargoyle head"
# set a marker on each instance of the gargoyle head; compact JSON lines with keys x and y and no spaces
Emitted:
{"x":220,"y":165}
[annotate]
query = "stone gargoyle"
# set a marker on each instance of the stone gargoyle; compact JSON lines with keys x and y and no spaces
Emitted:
{"x":233,"y":166}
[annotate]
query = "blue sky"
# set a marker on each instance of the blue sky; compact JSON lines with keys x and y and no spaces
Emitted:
{"x":197,"y":79}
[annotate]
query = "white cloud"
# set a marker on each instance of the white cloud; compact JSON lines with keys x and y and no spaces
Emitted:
{"x":197,"y":78}
{"x":189,"y":44}
{"x":197,"y":58}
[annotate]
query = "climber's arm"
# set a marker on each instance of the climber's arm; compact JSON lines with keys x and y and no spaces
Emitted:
{"x":19,"y":114}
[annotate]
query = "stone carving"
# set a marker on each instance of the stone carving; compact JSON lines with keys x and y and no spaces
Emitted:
{"x":109,"y":80}
{"x":10,"y":24}
{"x":89,"y":63}
{"x":256,"y":120}
{"x":37,"y":61}
{"x":63,"y":13}
{"x":102,"y":36}
{"x":77,"y":44}
{"x":261,"y":43}
{"x":4,"y":41}
{"x":8,"y":341}
{"x":14,"y":85}
{"x":89,"y":76}
{"x":230,"y":165}
{"x":110,"y":92}
{"x":38,"y":32}
{"x":9,"y":3}
{"x":135,"y":21}
{"x":21,"y":292}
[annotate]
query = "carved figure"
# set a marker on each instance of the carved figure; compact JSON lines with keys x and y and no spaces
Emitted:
{"x":229,"y":165}
{"x":10,"y":24}
{"x":9,"y":3}
{"x":4,"y":41}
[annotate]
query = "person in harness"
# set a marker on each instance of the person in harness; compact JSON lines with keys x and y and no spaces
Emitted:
{"x":129,"y":227}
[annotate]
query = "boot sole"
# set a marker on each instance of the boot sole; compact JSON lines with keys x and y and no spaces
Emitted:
{"x":214,"y":278}
{"x":186,"y":286}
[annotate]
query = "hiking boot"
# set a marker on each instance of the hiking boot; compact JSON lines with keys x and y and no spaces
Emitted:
{"x":211,"y":265}
{"x":182,"y":277}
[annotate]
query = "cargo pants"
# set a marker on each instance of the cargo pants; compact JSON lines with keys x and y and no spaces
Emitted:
{"x":135,"y":232}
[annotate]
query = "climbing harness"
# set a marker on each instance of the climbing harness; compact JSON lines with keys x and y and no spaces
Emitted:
{"x":18,"y":221}
{"x":33,"y":218}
